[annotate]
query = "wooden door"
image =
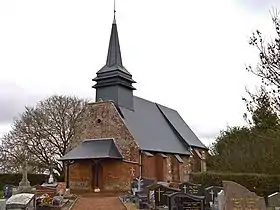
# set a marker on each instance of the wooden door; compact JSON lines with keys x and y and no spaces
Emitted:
{"x":97,"y":175}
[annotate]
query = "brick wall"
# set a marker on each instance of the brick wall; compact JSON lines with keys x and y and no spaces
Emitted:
{"x":117,"y":175}
{"x":114,"y":175}
{"x":149,"y":166}
{"x":186,"y":167}
{"x":161,"y":167}
{"x":165,"y":168}
{"x":198,"y":160}
{"x":175,"y":169}
{"x":102,"y":120}
{"x":80,"y":175}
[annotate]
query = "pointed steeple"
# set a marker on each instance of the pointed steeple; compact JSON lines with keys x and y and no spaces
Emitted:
{"x":113,"y":81}
{"x":114,"y":57}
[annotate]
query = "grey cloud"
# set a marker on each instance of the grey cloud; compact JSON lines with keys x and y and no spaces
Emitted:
{"x":13,"y":99}
{"x":208,"y":135}
{"x":259,"y":5}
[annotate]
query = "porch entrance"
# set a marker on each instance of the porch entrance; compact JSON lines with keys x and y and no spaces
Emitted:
{"x":97,"y":175}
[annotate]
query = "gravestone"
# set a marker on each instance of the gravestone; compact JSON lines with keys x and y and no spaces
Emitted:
{"x":2,"y":204}
{"x":191,"y":188}
{"x":215,"y":205}
{"x":151,"y":194}
{"x":160,"y":194}
{"x":180,"y":200}
{"x":239,"y":197}
{"x":21,"y":201}
{"x":221,"y":199}
{"x":273,"y":201}
{"x":210,"y":194}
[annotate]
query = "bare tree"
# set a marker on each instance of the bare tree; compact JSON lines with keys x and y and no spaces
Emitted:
{"x":43,"y":133}
{"x":268,"y":67}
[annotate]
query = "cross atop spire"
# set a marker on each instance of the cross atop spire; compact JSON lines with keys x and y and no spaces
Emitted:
{"x":114,"y":21}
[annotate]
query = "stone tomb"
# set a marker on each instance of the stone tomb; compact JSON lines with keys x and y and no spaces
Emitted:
{"x":180,"y":200}
{"x":158,"y":195}
{"x":21,"y":201}
{"x":273,"y":201}
{"x":238,"y":197}
{"x":211,"y":195}
{"x":191,"y":188}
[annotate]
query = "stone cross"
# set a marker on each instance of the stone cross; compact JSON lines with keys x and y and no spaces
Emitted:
{"x":139,"y":182}
{"x":212,"y":194}
{"x":185,"y":189}
{"x":24,"y":182}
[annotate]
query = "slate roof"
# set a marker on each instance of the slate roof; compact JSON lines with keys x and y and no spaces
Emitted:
{"x":158,"y":128}
{"x":94,"y":149}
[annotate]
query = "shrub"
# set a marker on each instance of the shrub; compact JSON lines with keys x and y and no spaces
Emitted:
{"x":262,"y":184}
{"x":14,"y":179}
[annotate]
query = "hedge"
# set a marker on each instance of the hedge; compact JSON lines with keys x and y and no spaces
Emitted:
{"x":14,"y":179}
{"x":261,"y":184}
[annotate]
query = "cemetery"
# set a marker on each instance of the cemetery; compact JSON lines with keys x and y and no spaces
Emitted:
{"x":50,"y":195}
{"x":148,"y":194}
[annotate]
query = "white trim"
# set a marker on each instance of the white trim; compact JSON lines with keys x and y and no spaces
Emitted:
{"x":180,"y":160}
{"x":148,"y":154}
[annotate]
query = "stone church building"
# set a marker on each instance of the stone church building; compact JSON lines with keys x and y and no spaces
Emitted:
{"x":125,"y":136}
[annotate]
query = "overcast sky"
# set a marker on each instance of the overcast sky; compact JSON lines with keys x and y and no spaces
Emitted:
{"x":188,"y":55}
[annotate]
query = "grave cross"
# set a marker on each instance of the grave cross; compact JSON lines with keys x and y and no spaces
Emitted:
{"x":24,"y":181}
{"x":212,"y":194}
{"x":159,"y":194}
{"x":139,"y":182}
{"x":185,"y":189}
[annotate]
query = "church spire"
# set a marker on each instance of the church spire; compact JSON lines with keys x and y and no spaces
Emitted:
{"x":114,"y":57}
{"x":113,"y":81}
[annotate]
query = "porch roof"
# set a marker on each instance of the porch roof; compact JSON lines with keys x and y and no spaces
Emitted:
{"x":94,"y":149}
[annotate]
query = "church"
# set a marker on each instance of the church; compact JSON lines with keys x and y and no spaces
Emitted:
{"x":124,"y":136}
